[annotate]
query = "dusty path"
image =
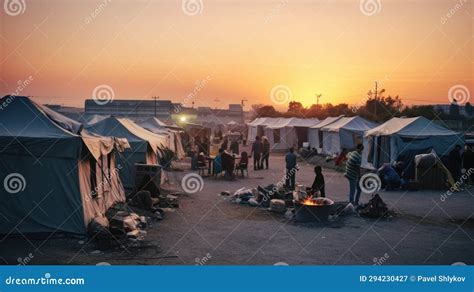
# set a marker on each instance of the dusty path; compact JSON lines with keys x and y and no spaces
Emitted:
{"x":209,"y":229}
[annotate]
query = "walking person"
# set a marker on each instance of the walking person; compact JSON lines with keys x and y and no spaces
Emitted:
{"x":319,"y":186}
{"x":354,"y":160}
{"x":266,"y":152}
{"x":256,"y":152}
{"x":291,"y":168}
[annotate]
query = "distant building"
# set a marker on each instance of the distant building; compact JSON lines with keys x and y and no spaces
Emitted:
{"x":133,"y":109}
{"x":446,"y":108}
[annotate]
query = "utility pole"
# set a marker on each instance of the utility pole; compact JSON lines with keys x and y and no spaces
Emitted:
{"x":318,"y":96}
{"x":155,"y":98}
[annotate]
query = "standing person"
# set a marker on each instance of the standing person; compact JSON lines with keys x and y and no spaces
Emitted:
{"x":354,"y":160}
{"x":234,"y":146}
{"x":318,"y":183}
{"x":257,"y":149}
{"x":291,"y":169}
{"x":468,"y":163}
{"x":225,"y":144}
{"x":266,"y":152}
{"x":455,"y":162}
{"x":205,"y":145}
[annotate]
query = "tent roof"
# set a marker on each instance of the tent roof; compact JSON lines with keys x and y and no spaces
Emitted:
{"x":326,"y":122}
{"x":410,"y":127}
{"x":353,"y":124}
{"x":24,"y":118}
{"x":125,"y":128}
{"x":276,"y":123}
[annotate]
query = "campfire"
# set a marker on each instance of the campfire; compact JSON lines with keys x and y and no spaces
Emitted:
{"x":312,"y":209}
{"x":310,"y":201}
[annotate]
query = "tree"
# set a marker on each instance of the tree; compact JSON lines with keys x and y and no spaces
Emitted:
{"x":295,"y":107}
{"x":267,"y":111}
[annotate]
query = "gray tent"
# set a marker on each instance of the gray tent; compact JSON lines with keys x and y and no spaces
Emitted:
{"x":397,"y":136}
{"x":174,"y":140}
{"x":54,"y":177}
{"x":144,"y":145}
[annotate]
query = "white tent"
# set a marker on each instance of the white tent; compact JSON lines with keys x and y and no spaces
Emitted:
{"x":315,"y":136}
{"x":144,"y":144}
{"x":257,"y":126}
{"x":174,"y":141}
{"x":288,"y":132}
{"x":55,"y":176}
{"x":344,"y":133}
{"x":388,"y":141}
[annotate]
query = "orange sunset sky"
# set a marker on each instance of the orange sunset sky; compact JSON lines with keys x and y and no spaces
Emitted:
{"x":415,"y":49}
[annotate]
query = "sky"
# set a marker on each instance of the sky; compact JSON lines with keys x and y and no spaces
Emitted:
{"x":219,"y":52}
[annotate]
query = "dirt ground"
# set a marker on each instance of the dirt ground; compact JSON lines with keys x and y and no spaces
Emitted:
{"x":209,"y":229}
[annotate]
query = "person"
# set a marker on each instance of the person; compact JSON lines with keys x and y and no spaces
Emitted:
{"x":217,"y":167}
{"x":455,"y":162}
{"x":257,"y":149}
{"x":265,"y":152}
{"x":205,"y":145}
{"x":352,"y":173}
{"x":318,"y":183}
{"x":228,"y":164}
{"x":201,"y":160}
{"x":234,"y":146}
{"x":468,"y":163}
{"x":225,"y":144}
{"x":389,"y":177}
{"x":341,"y":159}
{"x":243,"y":163}
{"x":291,"y":169}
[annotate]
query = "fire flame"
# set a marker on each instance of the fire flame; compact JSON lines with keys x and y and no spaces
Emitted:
{"x":309,"y":201}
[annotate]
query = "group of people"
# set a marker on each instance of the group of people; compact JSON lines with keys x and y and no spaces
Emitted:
{"x":260,"y":153}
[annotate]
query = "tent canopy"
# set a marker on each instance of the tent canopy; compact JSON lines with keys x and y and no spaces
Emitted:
{"x":410,"y":128}
{"x":355,"y":124}
{"x":125,"y":128}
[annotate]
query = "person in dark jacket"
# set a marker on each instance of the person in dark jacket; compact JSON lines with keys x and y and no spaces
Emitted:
{"x":266,"y":152}
{"x":256,"y":152}
{"x":291,"y":168}
{"x":455,"y":162}
{"x":225,"y":144}
{"x":318,"y":183}
{"x":352,"y":173}
{"x":468,"y":163}
{"x":234,"y":146}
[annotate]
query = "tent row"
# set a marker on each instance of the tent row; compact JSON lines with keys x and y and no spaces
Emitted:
{"x":282,"y":133}
{"x":383,"y":143}
{"x":87,"y":167}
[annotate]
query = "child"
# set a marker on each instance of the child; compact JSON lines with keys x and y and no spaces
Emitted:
{"x":318,"y":184}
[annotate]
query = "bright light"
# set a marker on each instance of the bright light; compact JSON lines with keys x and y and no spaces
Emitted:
{"x":183,"y":119}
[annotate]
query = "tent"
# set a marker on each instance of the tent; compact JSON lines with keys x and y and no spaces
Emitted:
{"x":174,"y":141}
{"x":387,"y":142}
{"x":288,"y":132}
{"x":257,"y":126}
{"x":55,"y":176}
{"x":315,"y":136}
{"x":144,"y":145}
{"x":344,"y":133}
